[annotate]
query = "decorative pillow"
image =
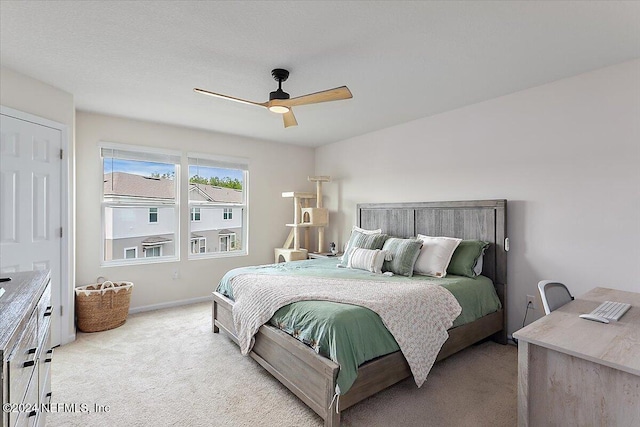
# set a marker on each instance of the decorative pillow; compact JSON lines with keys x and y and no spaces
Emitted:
{"x":363,"y":231}
{"x":404,"y":253}
{"x":477,"y":269}
{"x":366,"y":259}
{"x":365,"y":240}
{"x":467,"y":258}
{"x":435,"y":255}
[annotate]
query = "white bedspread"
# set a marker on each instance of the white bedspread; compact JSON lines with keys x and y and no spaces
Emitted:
{"x":416,"y":314}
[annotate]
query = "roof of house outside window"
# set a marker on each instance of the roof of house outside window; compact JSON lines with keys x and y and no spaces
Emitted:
{"x":210,"y":193}
{"x":155,"y":240}
{"x":122,"y":184}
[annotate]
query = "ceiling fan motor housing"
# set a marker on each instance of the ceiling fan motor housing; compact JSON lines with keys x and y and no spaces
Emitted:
{"x":280,"y":75}
{"x":278,"y":94}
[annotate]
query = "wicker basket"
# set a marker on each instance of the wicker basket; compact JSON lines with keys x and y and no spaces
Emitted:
{"x":102,"y":306}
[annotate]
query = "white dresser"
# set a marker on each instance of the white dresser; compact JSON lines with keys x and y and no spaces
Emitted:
{"x":25,"y":349}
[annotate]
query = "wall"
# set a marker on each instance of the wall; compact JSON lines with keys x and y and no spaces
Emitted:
{"x":566,"y":155}
{"x":273,"y":168}
{"x":32,"y":96}
{"x":35,"y":97}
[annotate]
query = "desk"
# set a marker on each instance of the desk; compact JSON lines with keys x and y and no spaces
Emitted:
{"x":573,"y":371}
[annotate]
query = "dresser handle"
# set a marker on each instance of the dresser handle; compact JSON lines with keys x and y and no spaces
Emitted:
{"x":47,"y":360}
{"x":32,"y":414}
{"x":32,"y":350}
{"x":48,"y":311}
{"x":29,"y":363}
{"x":48,"y":394}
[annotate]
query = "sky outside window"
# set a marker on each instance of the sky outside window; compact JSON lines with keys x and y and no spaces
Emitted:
{"x":149,"y":169}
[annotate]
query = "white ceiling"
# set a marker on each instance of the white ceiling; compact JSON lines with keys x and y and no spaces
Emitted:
{"x":401,"y":60}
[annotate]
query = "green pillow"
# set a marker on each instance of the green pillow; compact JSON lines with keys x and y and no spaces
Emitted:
{"x":404,"y":254}
{"x":364,"y":241}
{"x":465,"y":257}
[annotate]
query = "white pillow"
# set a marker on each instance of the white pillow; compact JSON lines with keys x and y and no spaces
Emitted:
{"x":366,"y":259}
{"x":435,"y":255}
{"x":363,"y":231}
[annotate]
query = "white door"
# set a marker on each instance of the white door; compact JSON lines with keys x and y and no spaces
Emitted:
{"x":30,"y":192}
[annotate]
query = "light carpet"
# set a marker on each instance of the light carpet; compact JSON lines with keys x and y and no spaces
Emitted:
{"x":166,"y":368}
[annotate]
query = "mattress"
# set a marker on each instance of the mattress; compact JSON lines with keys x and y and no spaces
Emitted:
{"x":351,"y":335}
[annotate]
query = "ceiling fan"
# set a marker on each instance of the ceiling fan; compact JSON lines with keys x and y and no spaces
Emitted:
{"x":280,"y":102}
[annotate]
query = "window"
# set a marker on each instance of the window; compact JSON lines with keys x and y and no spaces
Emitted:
{"x":198,"y":245}
{"x":152,"y":251}
{"x":195,"y":214}
{"x":218,"y":193}
{"x":130,"y":253}
{"x":140,"y":208}
{"x":227,"y":242}
{"x":153,"y":215}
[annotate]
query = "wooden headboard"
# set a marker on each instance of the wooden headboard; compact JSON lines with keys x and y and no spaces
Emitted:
{"x":475,"y":219}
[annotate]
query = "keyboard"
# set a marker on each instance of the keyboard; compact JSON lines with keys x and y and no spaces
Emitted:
{"x":611,"y":310}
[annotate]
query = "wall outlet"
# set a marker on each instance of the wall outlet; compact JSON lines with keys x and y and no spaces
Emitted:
{"x":532,"y":299}
{"x":176,"y":274}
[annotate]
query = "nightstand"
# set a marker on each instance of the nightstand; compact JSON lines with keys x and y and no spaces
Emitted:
{"x":314,"y":255}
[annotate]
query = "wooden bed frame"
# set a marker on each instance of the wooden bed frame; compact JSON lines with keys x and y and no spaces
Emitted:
{"x":312,"y":377}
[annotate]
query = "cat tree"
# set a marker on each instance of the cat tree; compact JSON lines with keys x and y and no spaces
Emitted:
{"x":304,"y":218}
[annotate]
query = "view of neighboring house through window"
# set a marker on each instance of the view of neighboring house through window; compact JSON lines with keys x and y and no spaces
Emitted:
{"x":218,"y":206}
{"x":139,"y":204}
{"x":195,"y":214}
{"x":153,"y":251}
{"x":130,"y":253}
{"x":153,"y":214}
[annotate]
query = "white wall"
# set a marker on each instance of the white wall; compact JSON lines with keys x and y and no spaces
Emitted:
{"x":566,"y":155}
{"x":32,"y":96}
{"x":273,"y":168}
{"x":35,"y":97}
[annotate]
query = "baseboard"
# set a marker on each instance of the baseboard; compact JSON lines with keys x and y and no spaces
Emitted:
{"x":169,"y":304}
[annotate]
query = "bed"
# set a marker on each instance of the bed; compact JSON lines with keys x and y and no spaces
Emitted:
{"x":313,"y":378}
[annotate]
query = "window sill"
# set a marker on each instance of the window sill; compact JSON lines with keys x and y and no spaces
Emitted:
{"x":214,"y":255}
{"x":138,"y":261}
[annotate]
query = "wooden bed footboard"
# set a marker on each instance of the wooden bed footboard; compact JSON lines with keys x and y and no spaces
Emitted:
{"x":308,"y":375}
{"x":312,"y":377}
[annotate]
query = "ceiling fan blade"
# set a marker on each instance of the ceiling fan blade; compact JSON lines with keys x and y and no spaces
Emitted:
{"x":230,"y":98}
{"x":335,"y":94}
{"x":289,"y":119}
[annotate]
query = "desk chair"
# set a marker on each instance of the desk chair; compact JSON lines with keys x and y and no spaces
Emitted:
{"x":554,"y":295}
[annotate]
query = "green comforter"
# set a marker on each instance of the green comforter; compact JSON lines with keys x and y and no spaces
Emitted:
{"x":352,"y":335}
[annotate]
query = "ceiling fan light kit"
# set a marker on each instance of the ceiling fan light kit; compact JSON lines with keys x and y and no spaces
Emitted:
{"x":280,"y":101}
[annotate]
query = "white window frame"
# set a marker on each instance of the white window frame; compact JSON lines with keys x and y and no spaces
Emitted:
{"x":202,"y":244}
{"x":156,"y":214}
{"x":150,"y":154}
{"x":193,"y":211}
{"x":231,"y":238}
{"x":227,"y":214}
{"x":135,"y":252}
{"x":209,"y":160}
{"x":146,"y":251}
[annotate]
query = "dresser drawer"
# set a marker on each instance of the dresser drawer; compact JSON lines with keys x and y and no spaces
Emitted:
{"x":29,"y":418}
{"x":44,"y":311}
{"x":23,"y":361}
{"x":44,"y":365}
